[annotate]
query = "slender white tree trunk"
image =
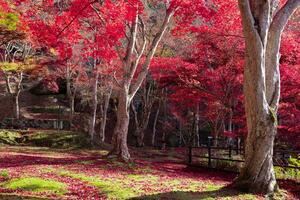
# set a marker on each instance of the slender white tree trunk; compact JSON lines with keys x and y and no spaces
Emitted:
{"x":72,"y":107}
{"x":17,"y":94}
{"x":197,"y":120}
{"x":94,"y":107}
{"x":17,"y":106}
{"x":154,"y":126}
{"x":104,"y":109}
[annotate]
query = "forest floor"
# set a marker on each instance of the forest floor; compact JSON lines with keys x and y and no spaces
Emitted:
{"x":31,"y":172}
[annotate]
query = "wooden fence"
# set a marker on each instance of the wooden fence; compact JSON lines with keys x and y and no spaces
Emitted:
{"x":280,"y":157}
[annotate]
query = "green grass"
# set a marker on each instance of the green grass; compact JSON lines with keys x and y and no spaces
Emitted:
{"x":35,"y":184}
{"x":143,"y":177}
{"x":53,"y":139}
{"x":10,"y":137}
{"x":114,"y":189}
{"x":114,"y":162}
{"x":84,"y":162}
{"x":4,"y":173}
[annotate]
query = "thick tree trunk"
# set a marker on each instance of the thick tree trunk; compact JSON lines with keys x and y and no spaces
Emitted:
{"x":258,"y":172}
{"x":262,"y":30}
{"x":119,"y":140}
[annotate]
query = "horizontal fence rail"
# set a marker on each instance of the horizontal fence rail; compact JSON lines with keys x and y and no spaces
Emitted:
{"x":280,"y":157}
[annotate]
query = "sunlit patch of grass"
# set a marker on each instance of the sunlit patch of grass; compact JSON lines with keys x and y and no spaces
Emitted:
{"x":47,"y":169}
{"x":10,"y":137}
{"x":4,"y":173}
{"x":115,"y":163}
{"x":114,"y":189}
{"x":102,"y":152}
{"x":84,"y":162}
{"x":142,"y":178}
{"x":287,"y":173}
{"x":212,"y":187}
{"x":144,"y":170}
{"x":35,"y":184}
{"x":61,"y":139}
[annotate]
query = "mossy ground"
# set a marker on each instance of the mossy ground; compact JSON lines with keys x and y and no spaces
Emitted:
{"x":35,"y":184}
{"x":44,"y":138}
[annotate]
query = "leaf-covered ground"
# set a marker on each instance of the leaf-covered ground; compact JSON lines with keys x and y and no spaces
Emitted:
{"x":29,"y":171}
{"x":43,"y":173}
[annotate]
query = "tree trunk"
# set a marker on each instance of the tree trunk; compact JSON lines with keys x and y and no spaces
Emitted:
{"x":119,"y":139}
{"x":262,"y":30}
{"x":197,"y":120}
{"x":154,"y":126}
{"x":180,"y":133}
{"x":140,"y":137}
{"x":17,"y":106}
{"x":72,"y":105}
{"x":94,"y":107}
{"x":143,"y":127}
{"x":17,"y":95}
{"x":258,"y":172}
{"x":104,"y":115}
{"x":164,"y":142}
{"x":7,"y":81}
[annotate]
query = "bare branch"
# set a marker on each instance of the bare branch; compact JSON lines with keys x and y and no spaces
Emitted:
{"x":152,"y":49}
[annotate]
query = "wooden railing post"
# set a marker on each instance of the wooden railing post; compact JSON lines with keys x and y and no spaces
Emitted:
{"x":230,"y":154}
{"x":190,"y":155}
{"x":238,"y":146}
{"x":209,"y":151}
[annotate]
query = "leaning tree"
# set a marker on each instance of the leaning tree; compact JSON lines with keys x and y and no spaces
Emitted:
{"x":263,"y":23}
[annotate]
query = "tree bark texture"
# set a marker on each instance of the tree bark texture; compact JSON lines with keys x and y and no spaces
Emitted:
{"x":154,"y":126}
{"x":262,"y":29}
{"x":128,"y":85}
{"x":94,"y":107}
{"x":104,"y":108}
{"x":119,"y":139}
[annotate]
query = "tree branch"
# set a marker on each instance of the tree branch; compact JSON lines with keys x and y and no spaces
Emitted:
{"x":75,"y":17}
{"x":144,"y":71}
{"x":282,"y":16}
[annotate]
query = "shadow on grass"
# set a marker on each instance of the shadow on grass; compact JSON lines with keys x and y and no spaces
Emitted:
{"x":224,"y":192}
{"x":292,"y":186}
